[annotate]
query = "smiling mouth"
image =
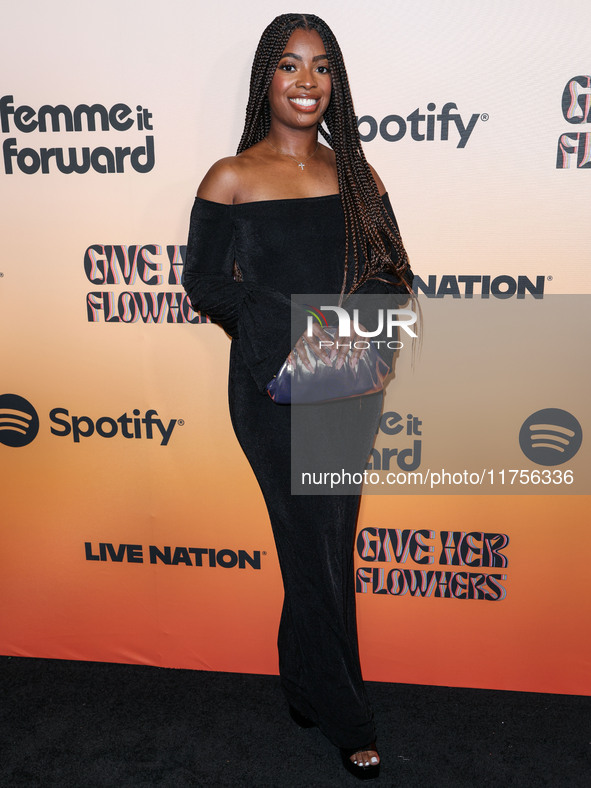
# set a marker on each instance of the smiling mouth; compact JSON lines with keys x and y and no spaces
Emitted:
{"x":305,"y":102}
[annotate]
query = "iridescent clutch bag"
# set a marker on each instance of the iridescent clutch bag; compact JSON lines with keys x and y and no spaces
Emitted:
{"x":296,"y":385}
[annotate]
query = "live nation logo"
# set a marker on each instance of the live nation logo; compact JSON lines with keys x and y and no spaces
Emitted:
{"x":576,"y":109}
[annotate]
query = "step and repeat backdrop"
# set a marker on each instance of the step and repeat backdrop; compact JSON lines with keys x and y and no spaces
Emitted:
{"x":132,"y":528}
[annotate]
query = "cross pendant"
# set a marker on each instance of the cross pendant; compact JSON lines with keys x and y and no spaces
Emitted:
{"x":301,"y":165}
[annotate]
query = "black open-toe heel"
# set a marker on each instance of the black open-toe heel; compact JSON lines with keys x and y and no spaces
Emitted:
{"x":300,"y":719}
{"x":359,"y":770}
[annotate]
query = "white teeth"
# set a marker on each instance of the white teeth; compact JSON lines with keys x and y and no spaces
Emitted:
{"x":304,"y":102}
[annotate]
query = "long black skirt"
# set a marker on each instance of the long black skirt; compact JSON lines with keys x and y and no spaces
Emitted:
{"x":314,"y":536}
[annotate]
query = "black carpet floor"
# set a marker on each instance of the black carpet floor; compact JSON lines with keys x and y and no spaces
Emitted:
{"x":94,"y":724}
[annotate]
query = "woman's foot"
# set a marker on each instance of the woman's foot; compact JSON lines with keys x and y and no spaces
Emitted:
{"x":365,"y":757}
{"x":364,"y":763}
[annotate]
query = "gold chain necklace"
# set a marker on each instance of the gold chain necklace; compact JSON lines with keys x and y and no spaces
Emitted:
{"x":301,"y":164}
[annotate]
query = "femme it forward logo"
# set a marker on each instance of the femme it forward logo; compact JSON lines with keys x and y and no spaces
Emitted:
{"x":83,"y":118}
{"x":550,"y":436}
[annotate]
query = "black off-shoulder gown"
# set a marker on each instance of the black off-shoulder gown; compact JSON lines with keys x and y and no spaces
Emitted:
{"x":283,"y":247}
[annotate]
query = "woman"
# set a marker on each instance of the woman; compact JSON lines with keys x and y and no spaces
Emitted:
{"x":289,"y":215}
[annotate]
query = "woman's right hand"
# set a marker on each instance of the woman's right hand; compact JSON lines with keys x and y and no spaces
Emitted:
{"x":313,"y":342}
{"x":339,"y":347}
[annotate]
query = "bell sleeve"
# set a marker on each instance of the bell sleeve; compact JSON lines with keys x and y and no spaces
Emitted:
{"x":258,"y":316}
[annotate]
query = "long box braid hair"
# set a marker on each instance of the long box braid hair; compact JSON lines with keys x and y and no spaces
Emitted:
{"x":370,"y":232}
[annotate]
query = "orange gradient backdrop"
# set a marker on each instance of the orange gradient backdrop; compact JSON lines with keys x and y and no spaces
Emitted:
{"x":496,"y":206}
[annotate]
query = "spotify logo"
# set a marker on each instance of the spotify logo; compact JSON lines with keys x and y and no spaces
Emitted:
{"x":19,"y":422}
{"x":550,"y":436}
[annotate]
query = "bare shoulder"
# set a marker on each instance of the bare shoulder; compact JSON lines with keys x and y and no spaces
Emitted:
{"x":378,"y":180}
{"x":221,"y":181}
